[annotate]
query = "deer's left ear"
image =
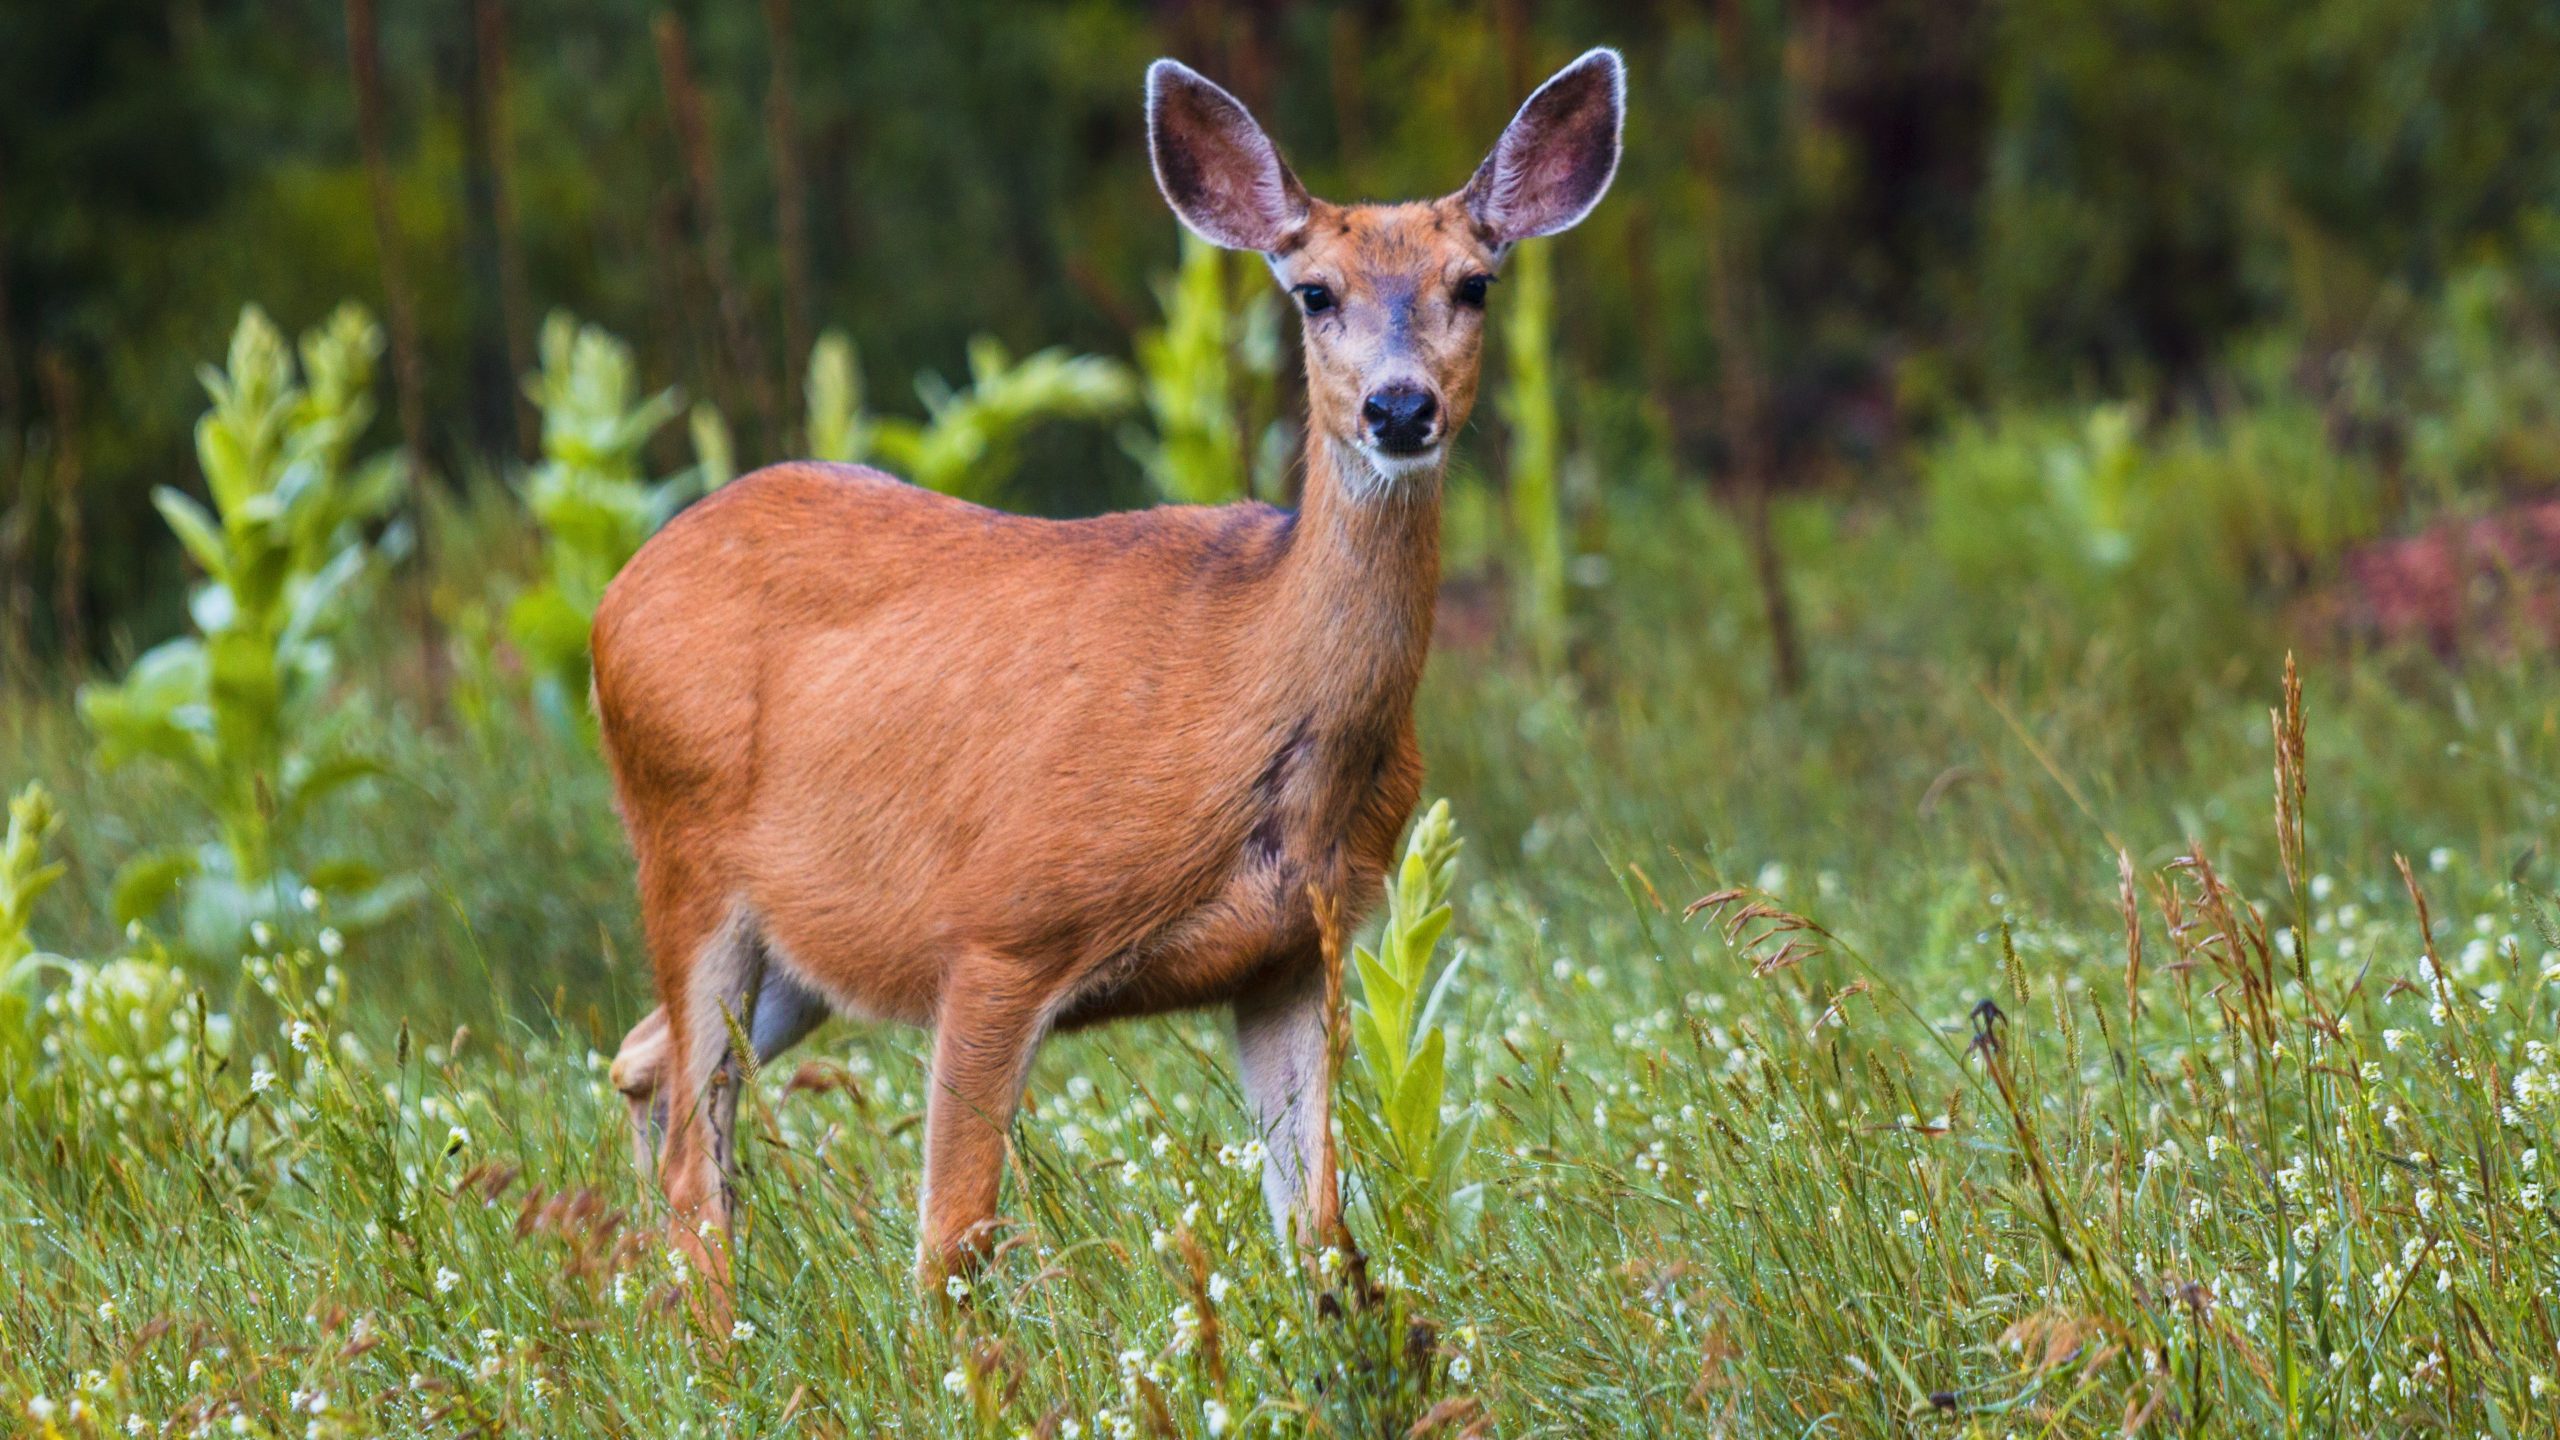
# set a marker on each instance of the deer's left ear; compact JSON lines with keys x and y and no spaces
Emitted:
{"x":1556,"y":159}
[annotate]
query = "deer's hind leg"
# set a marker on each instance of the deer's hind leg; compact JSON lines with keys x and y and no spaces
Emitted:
{"x":785,"y":1011}
{"x":710,"y":962}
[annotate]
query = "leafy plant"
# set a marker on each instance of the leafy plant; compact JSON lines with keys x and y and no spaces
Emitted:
{"x":237,"y":708}
{"x":591,"y":498}
{"x":24,"y":873}
{"x":1403,"y":1052}
{"x":24,"y":876}
{"x":970,"y":440}
{"x":715,"y":450}
{"x":838,"y":430}
{"x":1197,"y":452}
{"x":968,"y":444}
{"x":124,"y":1031}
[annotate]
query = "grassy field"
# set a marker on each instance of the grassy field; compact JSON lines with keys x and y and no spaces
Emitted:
{"x":2022,"y":1075}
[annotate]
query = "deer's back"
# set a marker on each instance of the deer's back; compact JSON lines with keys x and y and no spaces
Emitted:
{"x":895,"y":724}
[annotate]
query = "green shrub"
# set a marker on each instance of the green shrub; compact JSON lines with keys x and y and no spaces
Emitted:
{"x":1198,"y":452}
{"x":969,"y":443}
{"x":593,"y":502}
{"x":2486,"y":407}
{"x":24,"y":876}
{"x":1412,"y":1189}
{"x":838,"y":430}
{"x":237,"y":710}
{"x":2174,"y":549}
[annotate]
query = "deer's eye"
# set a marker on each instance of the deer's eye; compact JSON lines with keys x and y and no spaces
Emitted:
{"x":1316,"y":298}
{"x":1471,"y":290}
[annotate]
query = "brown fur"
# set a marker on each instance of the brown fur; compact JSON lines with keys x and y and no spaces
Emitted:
{"x":1000,"y":775}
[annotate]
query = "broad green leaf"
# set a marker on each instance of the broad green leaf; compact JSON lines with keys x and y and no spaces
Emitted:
{"x":1382,"y":989}
{"x":196,"y":529}
{"x":307,"y":784}
{"x":1440,"y":988}
{"x":1417,"y":1101}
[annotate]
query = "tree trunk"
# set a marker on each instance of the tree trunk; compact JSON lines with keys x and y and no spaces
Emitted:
{"x":70,"y":542}
{"x":790,"y":196}
{"x":486,"y":366}
{"x":17,"y":518}
{"x":10,"y":397}
{"x":408,"y":368}
{"x":496,"y":158}
{"x":1735,"y":168}
{"x":702,"y":179}
{"x":408,"y":372}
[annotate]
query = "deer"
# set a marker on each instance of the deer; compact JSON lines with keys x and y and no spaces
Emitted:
{"x":883,"y":753}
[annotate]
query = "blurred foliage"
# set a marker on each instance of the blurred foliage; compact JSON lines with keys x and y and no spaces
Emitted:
{"x":838,"y":429}
{"x":1220,"y":332}
{"x":241,"y":708}
{"x":1528,"y":404}
{"x":1953,"y":207}
{"x":590,"y":497}
{"x":970,"y":442}
{"x":25,"y":874}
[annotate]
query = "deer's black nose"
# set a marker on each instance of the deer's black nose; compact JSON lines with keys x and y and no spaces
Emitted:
{"x":1402,"y":418}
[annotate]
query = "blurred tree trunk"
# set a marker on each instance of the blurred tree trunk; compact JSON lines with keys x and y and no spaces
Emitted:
{"x":491,"y":191}
{"x":750,"y":381}
{"x":486,"y":362}
{"x":16,"y":520}
{"x":1739,"y":161}
{"x":1350,"y":130}
{"x":408,"y":369}
{"x":790,"y":196}
{"x":1511,"y":20}
{"x":17,"y":574}
{"x":70,"y":543}
{"x":10,"y":398}
{"x":364,"y":56}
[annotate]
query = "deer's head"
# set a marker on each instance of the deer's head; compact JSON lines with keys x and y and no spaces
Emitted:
{"x":1393,"y":296}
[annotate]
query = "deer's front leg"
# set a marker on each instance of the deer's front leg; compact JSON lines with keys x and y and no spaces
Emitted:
{"x":983,"y":1040}
{"x":1280,"y":1042}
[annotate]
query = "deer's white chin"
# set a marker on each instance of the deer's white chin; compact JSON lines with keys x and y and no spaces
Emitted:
{"x":1391,"y":466}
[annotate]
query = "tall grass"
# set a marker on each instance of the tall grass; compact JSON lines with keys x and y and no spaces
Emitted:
{"x":2228,"y":1166}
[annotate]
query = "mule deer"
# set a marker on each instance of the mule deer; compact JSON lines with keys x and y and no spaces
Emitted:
{"x":885,"y":753}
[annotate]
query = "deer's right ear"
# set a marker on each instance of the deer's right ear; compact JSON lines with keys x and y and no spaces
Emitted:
{"x":1217,"y":169}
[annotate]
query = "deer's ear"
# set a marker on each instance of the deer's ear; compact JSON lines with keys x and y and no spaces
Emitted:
{"x":1217,"y":169}
{"x":1555,"y":160}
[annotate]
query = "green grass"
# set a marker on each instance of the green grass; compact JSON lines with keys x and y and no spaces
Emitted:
{"x":2213,"y":1194}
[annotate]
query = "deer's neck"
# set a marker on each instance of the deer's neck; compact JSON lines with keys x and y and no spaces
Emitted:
{"x":1346,"y":638}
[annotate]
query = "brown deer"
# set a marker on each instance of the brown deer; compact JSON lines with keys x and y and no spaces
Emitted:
{"x":885,"y":753}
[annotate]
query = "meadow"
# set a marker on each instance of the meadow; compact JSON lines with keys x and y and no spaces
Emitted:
{"x":2045,"y":1020}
